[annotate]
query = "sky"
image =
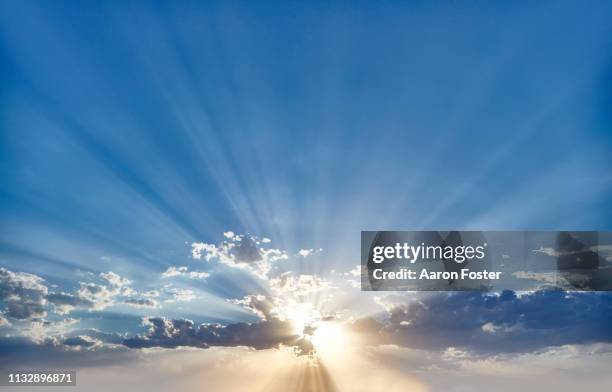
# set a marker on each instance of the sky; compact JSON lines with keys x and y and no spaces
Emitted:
{"x":184,"y":185}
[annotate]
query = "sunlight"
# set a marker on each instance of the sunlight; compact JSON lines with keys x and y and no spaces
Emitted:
{"x":328,"y":338}
{"x":303,"y":317}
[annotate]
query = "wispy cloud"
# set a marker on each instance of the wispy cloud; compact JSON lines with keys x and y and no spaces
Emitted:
{"x":184,"y":272}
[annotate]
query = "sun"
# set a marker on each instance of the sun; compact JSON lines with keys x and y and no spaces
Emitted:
{"x":326,"y":336}
{"x":302,"y":317}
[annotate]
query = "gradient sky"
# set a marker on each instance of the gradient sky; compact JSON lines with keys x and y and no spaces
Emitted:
{"x":130,"y":131}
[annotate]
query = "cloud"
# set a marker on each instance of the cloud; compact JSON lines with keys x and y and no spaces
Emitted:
{"x":142,"y":302}
{"x":240,"y":251}
{"x":115,"y":280}
{"x":95,"y":334}
{"x":604,"y":251}
{"x":63,"y":353}
{"x":100,"y":296}
{"x":39,"y":330}
{"x":355,"y":272}
{"x":177,"y":294}
{"x":262,"y":306}
{"x":496,"y":323}
{"x":352,"y":277}
{"x":81,"y":341}
{"x":168,"y":333}
{"x":184,"y":272}
{"x":26,"y":297}
{"x":299,"y":286}
{"x":150,"y":293}
{"x":64,"y":303}
{"x":559,"y":279}
{"x":289,"y":295}
{"x":547,"y":251}
{"x":23,"y":294}
{"x":308,"y":252}
{"x":305,"y":252}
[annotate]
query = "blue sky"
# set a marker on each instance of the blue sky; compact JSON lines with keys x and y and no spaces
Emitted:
{"x":131,"y":130}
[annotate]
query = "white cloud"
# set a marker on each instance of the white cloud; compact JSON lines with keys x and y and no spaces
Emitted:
{"x":27,"y":297}
{"x":356,"y":272}
{"x":240,"y":251}
{"x":308,"y":252}
{"x":178,"y":294}
{"x":184,"y":272}
{"x":305,"y":252}
{"x":151,"y":293}
{"x":39,"y":330}
{"x":100,"y":296}
{"x":114,"y":279}
{"x":82,"y":341}
{"x":300,"y":286}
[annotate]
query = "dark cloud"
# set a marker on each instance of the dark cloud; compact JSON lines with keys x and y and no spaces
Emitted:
{"x":167,"y":333}
{"x":495,"y":323}
{"x":174,"y":333}
{"x":23,"y":294}
{"x":142,"y":302}
{"x":304,"y":346}
{"x":23,"y":353}
{"x":261,"y":305}
{"x":246,"y":251}
{"x":24,"y":309}
{"x":82,"y":341}
{"x":65,"y":302}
